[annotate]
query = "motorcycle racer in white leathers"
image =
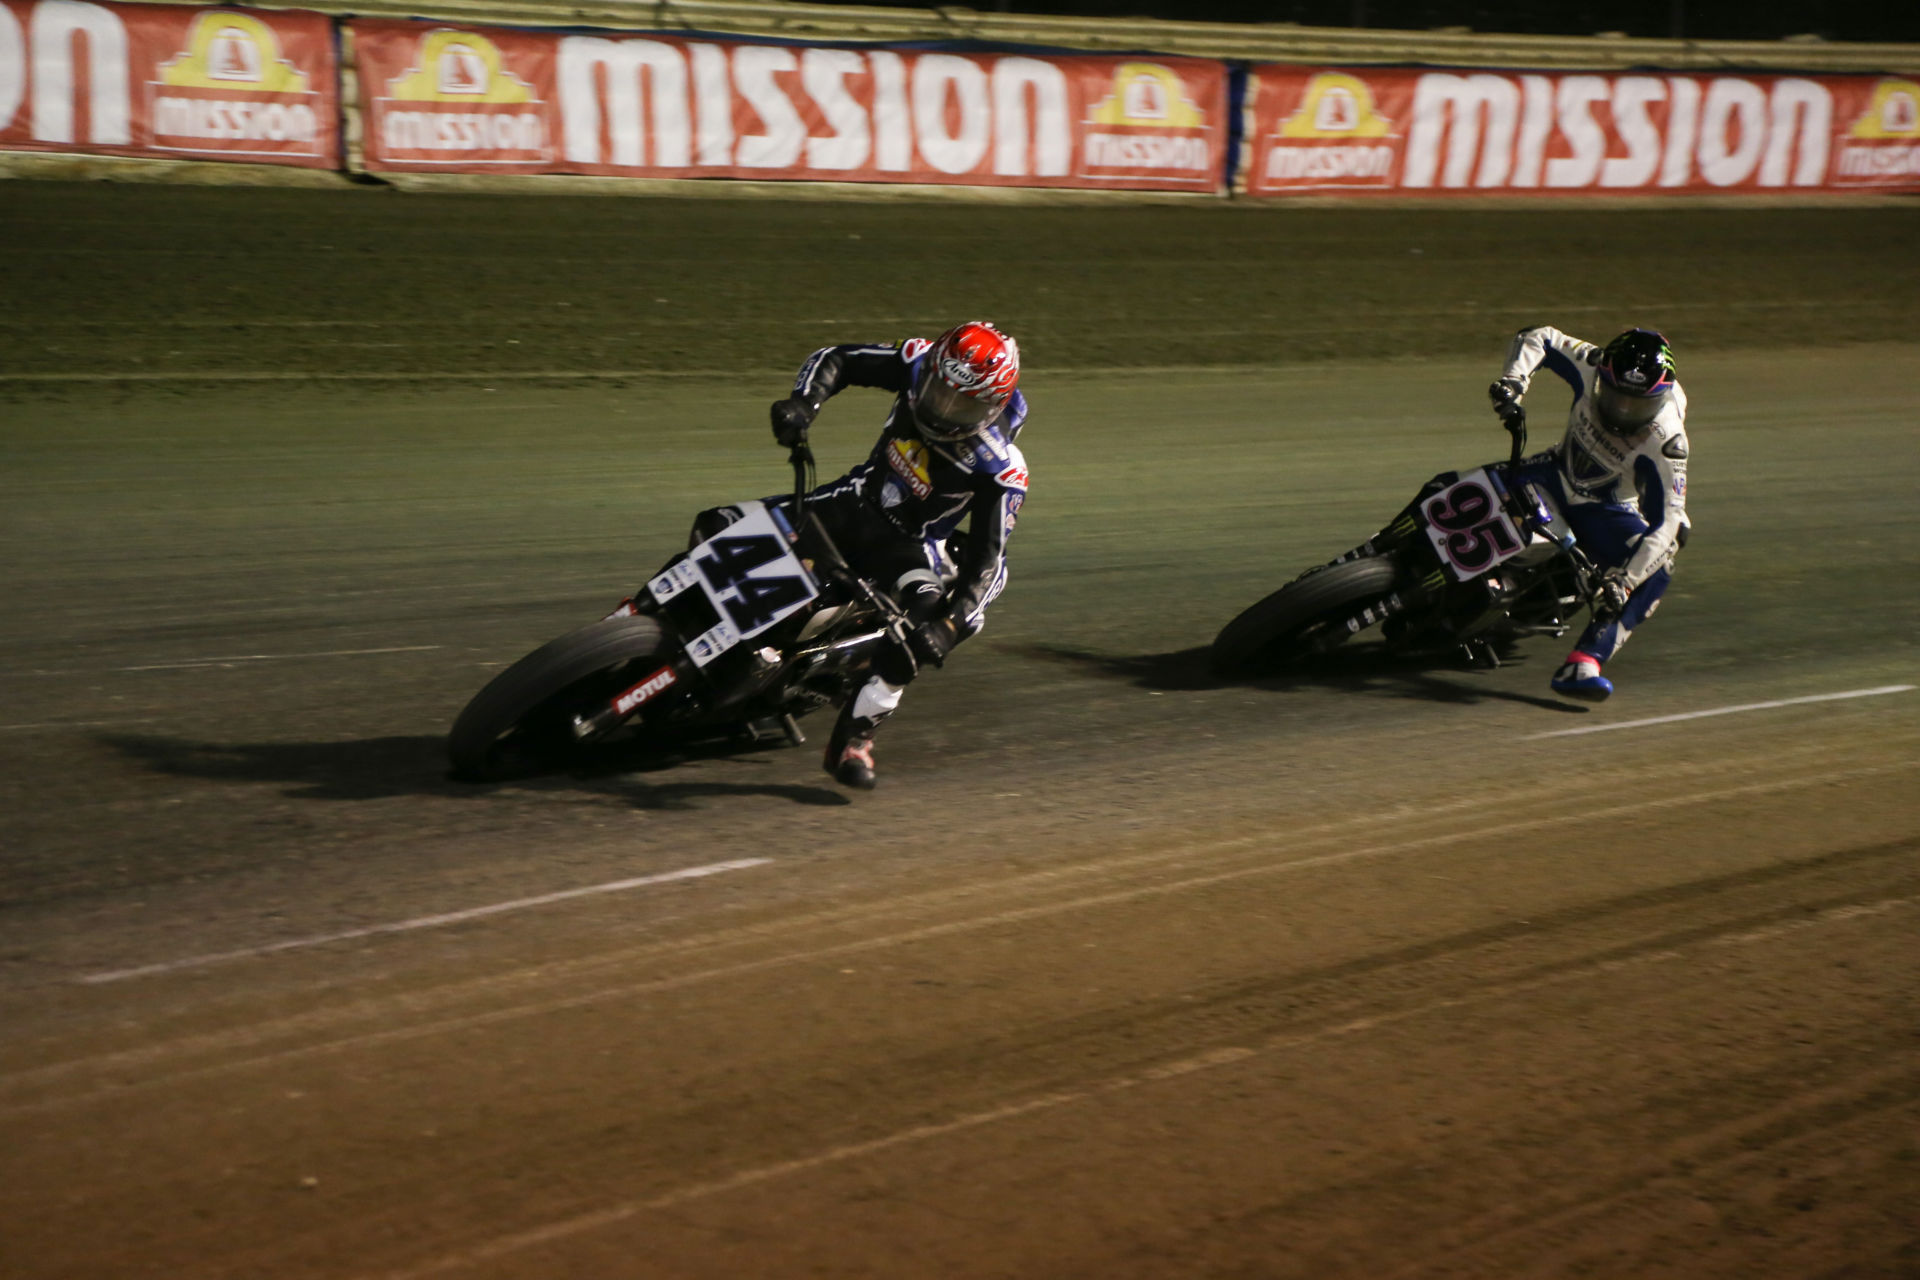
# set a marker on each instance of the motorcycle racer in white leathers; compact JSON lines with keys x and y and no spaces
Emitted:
{"x":1619,"y":473}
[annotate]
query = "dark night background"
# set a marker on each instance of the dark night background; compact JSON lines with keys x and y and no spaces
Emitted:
{"x":1870,"y":20}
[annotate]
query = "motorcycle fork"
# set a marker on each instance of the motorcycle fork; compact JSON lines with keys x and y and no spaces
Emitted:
{"x":633,"y":702}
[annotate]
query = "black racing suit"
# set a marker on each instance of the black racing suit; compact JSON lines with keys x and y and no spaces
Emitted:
{"x":892,"y":515}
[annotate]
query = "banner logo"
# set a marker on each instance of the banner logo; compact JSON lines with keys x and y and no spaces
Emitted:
{"x":459,"y":104}
{"x":458,"y":66}
{"x":231,"y":91}
{"x":232,"y":50}
{"x":1147,"y":123}
{"x":1335,"y":138}
{"x":1883,"y":146}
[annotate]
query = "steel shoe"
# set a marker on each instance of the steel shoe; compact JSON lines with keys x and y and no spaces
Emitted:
{"x":1579,"y":677}
{"x":850,"y":756}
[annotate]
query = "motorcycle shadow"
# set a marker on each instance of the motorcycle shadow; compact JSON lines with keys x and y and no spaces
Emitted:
{"x":1359,"y":668}
{"x":384,"y":768}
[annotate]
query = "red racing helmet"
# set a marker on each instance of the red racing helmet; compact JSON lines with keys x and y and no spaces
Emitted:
{"x":965,"y":379}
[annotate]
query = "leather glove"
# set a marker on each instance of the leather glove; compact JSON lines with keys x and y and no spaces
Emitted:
{"x":933,"y":641}
{"x":1505,"y":395}
{"x":1611,"y":599}
{"x":791,"y":418}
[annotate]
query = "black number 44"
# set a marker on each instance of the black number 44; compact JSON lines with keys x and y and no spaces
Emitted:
{"x":751,"y":603}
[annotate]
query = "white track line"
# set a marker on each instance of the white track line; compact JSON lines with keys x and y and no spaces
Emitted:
{"x":276,"y":657}
{"x":138,"y":1065}
{"x":282,"y":375}
{"x":501,"y":1246}
{"x":424,"y":922}
{"x":75,"y":724}
{"x":1723,"y":711}
{"x":951,"y":928}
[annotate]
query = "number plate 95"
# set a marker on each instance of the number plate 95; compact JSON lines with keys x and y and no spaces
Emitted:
{"x":1468,"y":527}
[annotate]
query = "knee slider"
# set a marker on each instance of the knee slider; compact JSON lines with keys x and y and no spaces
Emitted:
{"x":710,"y":522}
{"x":919,"y":593}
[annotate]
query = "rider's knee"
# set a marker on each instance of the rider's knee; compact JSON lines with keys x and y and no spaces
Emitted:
{"x":919,"y":593}
{"x":710,"y":522}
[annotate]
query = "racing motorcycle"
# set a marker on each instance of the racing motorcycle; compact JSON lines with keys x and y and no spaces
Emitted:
{"x":1476,"y":562}
{"x":734,"y":640}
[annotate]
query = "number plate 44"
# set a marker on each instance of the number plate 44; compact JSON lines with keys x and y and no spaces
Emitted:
{"x":749,"y":572}
{"x":1468,"y":527}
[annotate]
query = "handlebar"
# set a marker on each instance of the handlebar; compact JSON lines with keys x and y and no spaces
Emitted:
{"x":1586,"y":573}
{"x":1516,"y":426}
{"x":800,"y":457}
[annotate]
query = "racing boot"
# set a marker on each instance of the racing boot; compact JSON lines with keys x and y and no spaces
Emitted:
{"x":1579,"y":677}
{"x":850,"y":752}
{"x":850,"y":748}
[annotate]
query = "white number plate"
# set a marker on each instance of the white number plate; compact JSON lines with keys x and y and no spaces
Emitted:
{"x":749,"y":572}
{"x":1468,"y":527}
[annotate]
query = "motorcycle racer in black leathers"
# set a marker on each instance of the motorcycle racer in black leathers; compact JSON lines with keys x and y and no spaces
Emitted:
{"x":1620,"y":474}
{"x":946,"y":454}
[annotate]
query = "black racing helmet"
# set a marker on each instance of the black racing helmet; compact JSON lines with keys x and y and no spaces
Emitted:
{"x":1634,"y":380}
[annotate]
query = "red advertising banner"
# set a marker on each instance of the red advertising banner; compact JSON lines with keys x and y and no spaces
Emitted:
{"x":439,"y":98}
{"x":1412,"y":132}
{"x":168,"y":82}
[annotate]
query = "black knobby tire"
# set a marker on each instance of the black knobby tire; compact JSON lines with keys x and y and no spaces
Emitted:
{"x":526,"y":710}
{"x":1293,"y":622}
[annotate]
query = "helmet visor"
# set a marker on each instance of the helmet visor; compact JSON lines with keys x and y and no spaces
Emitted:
{"x":946,"y":412}
{"x":1623,"y":412}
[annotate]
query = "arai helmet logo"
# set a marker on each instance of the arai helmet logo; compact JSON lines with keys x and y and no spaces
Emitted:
{"x":959,"y":372}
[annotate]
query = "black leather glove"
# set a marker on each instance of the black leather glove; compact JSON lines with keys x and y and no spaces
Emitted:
{"x":1505,"y":395}
{"x":933,"y":641}
{"x":791,"y":418}
{"x":1611,"y":599}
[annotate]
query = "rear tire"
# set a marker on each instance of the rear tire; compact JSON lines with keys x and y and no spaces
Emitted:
{"x":524,"y":715}
{"x":1293,"y":622}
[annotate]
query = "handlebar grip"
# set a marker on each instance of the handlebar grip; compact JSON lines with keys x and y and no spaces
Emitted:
{"x":1516,"y":425}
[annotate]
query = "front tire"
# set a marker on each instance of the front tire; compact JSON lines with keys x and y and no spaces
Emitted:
{"x":1298,"y":619}
{"x":525,"y":713}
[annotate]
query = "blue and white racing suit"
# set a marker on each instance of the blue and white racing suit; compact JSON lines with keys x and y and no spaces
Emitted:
{"x":895,"y":516}
{"x":915,"y":491}
{"x":1626,"y":497}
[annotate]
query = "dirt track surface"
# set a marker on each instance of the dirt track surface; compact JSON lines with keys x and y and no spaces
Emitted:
{"x":1382,"y":971}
